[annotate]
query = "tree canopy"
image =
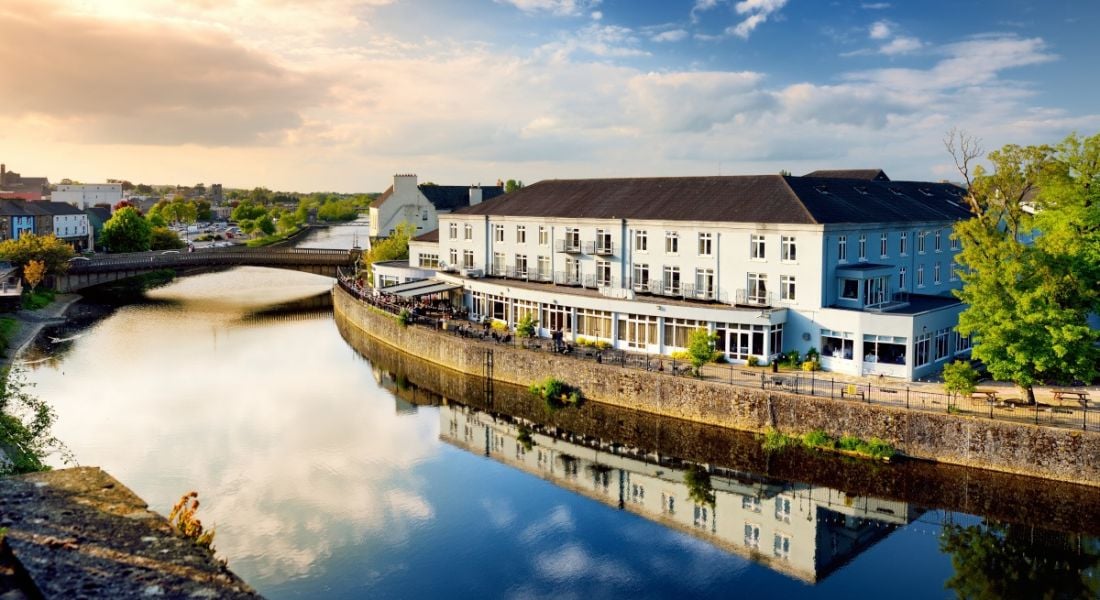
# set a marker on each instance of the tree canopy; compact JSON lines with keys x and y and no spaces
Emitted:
{"x":48,"y":249}
{"x":127,"y":231}
{"x":1031,"y":261}
{"x":394,"y":247}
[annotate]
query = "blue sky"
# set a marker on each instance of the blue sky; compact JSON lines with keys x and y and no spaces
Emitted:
{"x":341,"y":94}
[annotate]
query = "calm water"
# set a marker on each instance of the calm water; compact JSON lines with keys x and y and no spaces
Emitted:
{"x":329,"y":476}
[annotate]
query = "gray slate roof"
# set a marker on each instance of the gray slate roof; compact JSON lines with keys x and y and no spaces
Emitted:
{"x":452,"y":197}
{"x":874,"y":174}
{"x":738,"y":199}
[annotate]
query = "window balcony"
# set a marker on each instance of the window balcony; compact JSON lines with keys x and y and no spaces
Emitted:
{"x":759,"y":298}
{"x":693,"y":292}
{"x":599,"y":248}
{"x":566,"y":278}
{"x":568,"y":246}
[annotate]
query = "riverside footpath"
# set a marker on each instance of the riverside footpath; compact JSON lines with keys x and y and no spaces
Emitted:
{"x":80,"y":533}
{"x":917,"y":423}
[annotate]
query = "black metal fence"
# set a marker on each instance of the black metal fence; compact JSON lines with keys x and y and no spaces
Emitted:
{"x":808,"y":383}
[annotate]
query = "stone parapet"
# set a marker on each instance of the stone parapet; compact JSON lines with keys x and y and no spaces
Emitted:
{"x":1027,"y":449}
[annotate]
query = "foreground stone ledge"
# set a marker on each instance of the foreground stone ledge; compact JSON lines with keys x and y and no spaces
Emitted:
{"x":80,"y":533}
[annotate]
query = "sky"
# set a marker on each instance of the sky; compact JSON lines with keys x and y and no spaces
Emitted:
{"x":339,"y":95}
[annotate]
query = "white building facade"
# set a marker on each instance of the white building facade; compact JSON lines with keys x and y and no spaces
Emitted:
{"x":84,"y":195}
{"x":421,"y":204}
{"x":861,"y":270}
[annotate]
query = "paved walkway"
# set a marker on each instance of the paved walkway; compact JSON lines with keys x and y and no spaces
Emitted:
{"x":31,"y":322}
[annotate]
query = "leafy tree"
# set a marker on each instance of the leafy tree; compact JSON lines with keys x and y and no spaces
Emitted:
{"x":525,"y":328}
{"x":265,"y":225}
{"x":338,"y":210}
{"x":260,"y":196}
{"x":127,"y":231}
{"x":247,"y":210}
{"x":162,"y":238}
{"x":1030,"y":261}
{"x":203,"y":213}
{"x":394,"y":247}
{"x":512,"y":185}
{"x":700,"y":349}
{"x":1000,"y":560}
{"x":124,"y":204}
{"x":143,"y":189}
{"x":34,"y":272}
{"x":959,"y":378}
{"x":48,"y":249}
{"x":25,"y":423}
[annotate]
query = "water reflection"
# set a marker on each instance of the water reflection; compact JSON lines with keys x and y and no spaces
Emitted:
{"x":334,"y":466}
{"x":801,"y":530}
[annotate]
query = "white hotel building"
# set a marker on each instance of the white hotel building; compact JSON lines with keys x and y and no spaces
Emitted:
{"x":850,"y":263}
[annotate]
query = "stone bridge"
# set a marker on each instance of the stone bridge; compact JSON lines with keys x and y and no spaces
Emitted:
{"x":88,"y":272}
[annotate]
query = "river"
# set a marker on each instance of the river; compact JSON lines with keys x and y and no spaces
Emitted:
{"x":328,"y":474}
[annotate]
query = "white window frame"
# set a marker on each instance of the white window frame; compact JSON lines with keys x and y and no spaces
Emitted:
{"x":521,"y":234}
{"x":544,"y":235}
{"x":883,"y":243}
{"x":758,"y":247}
{"x":788,"y":248}
{"x":672,"y":243}
{"x":903,"y":242}
{"x":787,"y":288}
{"x":842,"y":248}
{"x":862,"y":247}
{"x":641,"y":241}
{"x":498,"y":234}
{"x":706,"y":244}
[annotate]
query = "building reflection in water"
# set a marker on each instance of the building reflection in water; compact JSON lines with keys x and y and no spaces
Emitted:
{"x":804,"y":531}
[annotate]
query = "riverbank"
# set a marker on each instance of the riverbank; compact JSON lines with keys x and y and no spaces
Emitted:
{"x":31,"y":322}
{"x":1013,"y":447}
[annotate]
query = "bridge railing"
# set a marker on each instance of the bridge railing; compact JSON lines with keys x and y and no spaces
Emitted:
{"x":212,"y":257}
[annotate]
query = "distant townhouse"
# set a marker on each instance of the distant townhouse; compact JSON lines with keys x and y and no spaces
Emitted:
{"x":15,"y":219}
{"x":850,"y":263}
{"x":422,"y":204}
{"x":69,"y":223}
{"x":85,"y":195}
{"x":97,"y":216}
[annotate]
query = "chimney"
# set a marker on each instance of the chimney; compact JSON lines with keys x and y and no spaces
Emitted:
{"x":3,"y":174}
{"x":406,"y":181}
{"x":475,"y":194}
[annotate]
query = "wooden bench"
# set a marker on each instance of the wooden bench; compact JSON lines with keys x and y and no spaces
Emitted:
{"x":852,"y":390}
{"x":1080,"y":397}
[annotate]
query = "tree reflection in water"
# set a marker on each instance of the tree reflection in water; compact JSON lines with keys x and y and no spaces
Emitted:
{"x":1002,"y":560}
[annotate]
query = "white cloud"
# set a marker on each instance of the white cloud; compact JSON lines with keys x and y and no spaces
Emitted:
{"x":758,"y":11}
{"x":875,"y":5}
{"x":556,"y":7}
{"x":596,"y":15}
{"x":901,"y":45}
{"x":880,"y":30}
{"x":672,"y":35}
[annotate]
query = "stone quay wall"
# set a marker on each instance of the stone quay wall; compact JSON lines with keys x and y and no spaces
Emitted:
{"x":1027,"y":449}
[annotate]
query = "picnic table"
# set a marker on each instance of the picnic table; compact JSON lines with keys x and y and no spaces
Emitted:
{"x":987,"y":395}
{"x":1081,"y":397}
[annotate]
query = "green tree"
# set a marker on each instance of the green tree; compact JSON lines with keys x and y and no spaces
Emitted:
{"x":700,"y":348}
{"x":247,"y":210}
{"x":265,"y":225}
{"x":127,"y":231}
{"x":959,"y":378}
{"x":25,"y":424}
{"x":48,"y":249}
{"x":1029,"y":261}
{"x":395,"y":247}
{"x":338,"y":210}
{"x":512,"y":185}
{"x":203,"y":212}
{"x":162,"y":238}
{"x":143,"y":189}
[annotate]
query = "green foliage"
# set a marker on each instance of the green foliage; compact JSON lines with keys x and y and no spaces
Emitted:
{"x":818,"y":439}
{"x":25,"y":423}
{"x":959,"y":377}
{"x":512,"y":185}
{"x":8,"y":326}
{"x":754,"y":361}
{"x":48,"y":249}
{"x":774,"y":440}
{"x":525,"y":328}
{"x":792,"y":358}
{"x":338,"y":210}
{"x":127,"y":231}
{"x":699,"y":487}
{"x":873,"y":448}
{"x":247,"y":211}
{"x":36,"y":299}
{"x":404,"y":318}
{"x":202,"y":211}
{"x":162,"y":238}
{"x":179,"y":211}
{"x":700,"y":348}
{"x":556,"y":392}
{"x":1029,"y":276}
{"x":394,"y":247}
{"x":1002,"y":560}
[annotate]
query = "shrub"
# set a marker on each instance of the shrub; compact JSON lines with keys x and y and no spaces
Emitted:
{"x":556,"y":392}
{"x":680,"y":355}
{"x":34,"y":300}
{"x":404,"y":318}
{"x":701,"y":348}
{"x":499,"y":326}
{"x":582,"y":341}
{"x":775,"y":441}
{"x":603,"y":344}
{"x":754,"y":361}
{"x":525,"y":328}
{"x":960,"y":378}
{"x":818,"y":439}
{"x":183,"y":519}
{"x":721,"y":358}
{"x":812,"y":354}
{"x":792,"y":358}
{"x":810,"y":365}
